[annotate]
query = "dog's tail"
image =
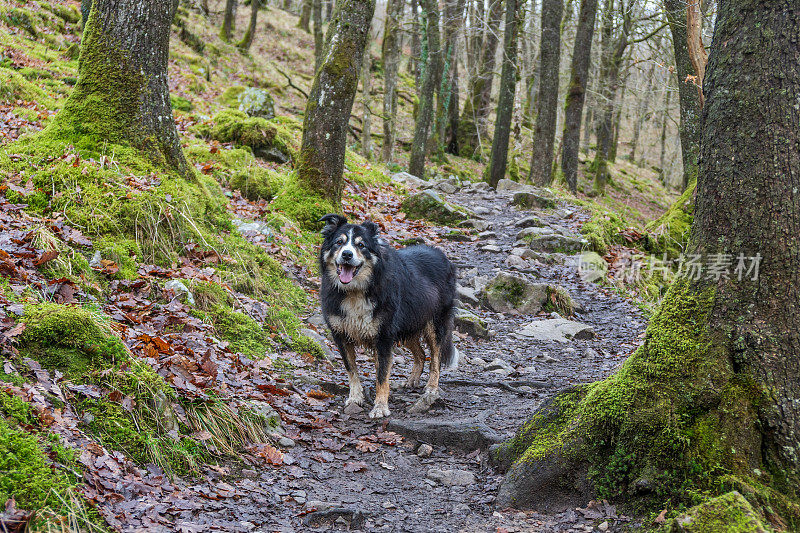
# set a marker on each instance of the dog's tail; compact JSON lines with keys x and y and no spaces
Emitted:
{"x":448,"y":353}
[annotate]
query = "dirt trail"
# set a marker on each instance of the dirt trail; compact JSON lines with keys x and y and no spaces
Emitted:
{"x":336,"y":487}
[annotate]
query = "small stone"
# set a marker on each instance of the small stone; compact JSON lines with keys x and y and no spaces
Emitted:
{"x":179,"y":288}
{"x":96,"y":260}
{"x":462,"y":509}
{"x":353,"y":409}
{"x":603,"y":526}
{"x":286,"y":442}
{"x":451,"y":478}
{"x":477,"y":361}
{"x":499,"y":364}
{"x":487,"y":235}
{"x":516,"y":262}
{"x":476,"y":224}
{"x":480,"y":210}
{"x":424,"y":450}
{"x":408,"y":180}
{"x":491,"y":248}
{"x":467,"y":295}
{"x":249,"y":473}
{"x":529,"y":222}
{"x":320,"y":505}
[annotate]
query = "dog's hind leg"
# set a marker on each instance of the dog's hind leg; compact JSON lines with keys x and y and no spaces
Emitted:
{"x":431,"y":393}
{"x":419,"y":362}
{"x":383,"y":364}
{"x":348,"y":352}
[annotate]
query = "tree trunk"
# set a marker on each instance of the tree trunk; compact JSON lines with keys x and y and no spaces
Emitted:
{"x":505,"y":103}
{"x":664,"y":118}
{"x":587,"y":129}
{"x":319,"y":41}
{"x":422,"y":127}
{"x":366,"y":83}
{"x":328,"y":9}
{"x":228,"y":21}
{"x":544,"y":133}
{"x":122,"y":94}
{"x":391,"y":63}
{"x":416,"y":46}
{"x":641,"y":111}
{"x":690,"y":126}
{"x":287,"y":5}
{"x":249,"y":35}
{"x":472,"y":126}
{"x":305,"y":16}
{"x":576,"y":94}
{"x":620,"y":102}
{"x":453,"y":22}
{"x":451,"y":136}
{"x":709,"y":402}
{"x":320,"y":162}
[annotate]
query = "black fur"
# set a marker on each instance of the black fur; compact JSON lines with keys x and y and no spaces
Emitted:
{"x":408,"y":289}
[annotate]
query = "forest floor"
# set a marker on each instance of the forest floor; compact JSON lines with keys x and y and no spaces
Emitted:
{"x":323,"y":470}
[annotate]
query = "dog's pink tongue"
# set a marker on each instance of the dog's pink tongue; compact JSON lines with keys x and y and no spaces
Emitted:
{"x":346,"y":275}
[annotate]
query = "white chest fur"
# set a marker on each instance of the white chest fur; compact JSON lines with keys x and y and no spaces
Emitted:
{"x":356,"y":320}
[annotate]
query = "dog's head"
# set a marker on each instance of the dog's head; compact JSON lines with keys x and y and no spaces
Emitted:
{"x":350,"y":253}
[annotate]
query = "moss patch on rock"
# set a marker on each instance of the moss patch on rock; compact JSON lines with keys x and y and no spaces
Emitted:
{"x":430,"y":205}
{"x":261,"y":135}
{"x":256,"y":183}
{"x":728,"y":513}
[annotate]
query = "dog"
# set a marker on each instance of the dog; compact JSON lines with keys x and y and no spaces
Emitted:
{"x":374,"y":296}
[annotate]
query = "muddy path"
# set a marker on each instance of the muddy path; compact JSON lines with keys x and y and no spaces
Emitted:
{"x":436,"y":476}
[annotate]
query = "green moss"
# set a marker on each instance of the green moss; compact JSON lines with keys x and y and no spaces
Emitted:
{"x":559,"y":301}
{"x":244,"y":334}
{"x":181,"y":104}
{"x":728,"y":513}
{"x":670,"y":232}
{"x":602,"y":229}
{"x":255,"y":183}
{"x":431,"y":206}
{"x":14,"y":87}
{"x":20,"y":18}
{"x":15,"y":408}
{"x":510,"y":290}
{"x":124,"y":252}
{"x":361,"y":171}
{"x":14,"y":379}
{"x":26,"y":474}
{"x":302,"y":205}
{"x":259,"y":134}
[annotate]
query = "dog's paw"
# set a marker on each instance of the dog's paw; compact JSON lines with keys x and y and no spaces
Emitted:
{"x":412,"y":382}
{"x":425,"y":401}
{"x":380,"y":410}
{"x":354,"y":401}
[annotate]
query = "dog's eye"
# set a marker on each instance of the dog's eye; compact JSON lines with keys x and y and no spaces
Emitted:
{"x":361,"y":245}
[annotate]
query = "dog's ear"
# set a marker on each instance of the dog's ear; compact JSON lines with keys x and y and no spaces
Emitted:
{"x":371,"y":227}
{"x":332,"y":223}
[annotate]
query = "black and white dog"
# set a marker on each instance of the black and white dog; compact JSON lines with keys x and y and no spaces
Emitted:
{"x":375,"y":296}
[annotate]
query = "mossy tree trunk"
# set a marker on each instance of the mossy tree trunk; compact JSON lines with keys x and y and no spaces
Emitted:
{"x":228,"y":20}
{"x":366,"y":123}
{"x":305,"y":16}
{"x":416,"y":45}
{"x":709,"y":401}
{"x":544,"y":133}
{"x":391,"y":61}
{"x":122,"y":95}
{"x":472,"y":125}
{"x":576,"y":93}
{"x":688,"y":97}
{"x":642,"y":106}
{"x":422,"y":127}
{"x":319,"y":41}
{"x":249,"y":35}
{"x":663,"y":153}
{"x":505,"y":103}
{"x":320,"y":162}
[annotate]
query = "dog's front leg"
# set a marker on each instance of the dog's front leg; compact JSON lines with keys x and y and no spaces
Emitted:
{"x":383,"y":364}
{"x":348,"y":352}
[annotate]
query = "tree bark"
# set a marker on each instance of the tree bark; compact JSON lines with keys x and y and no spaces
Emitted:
{"x":544,"y":134}
{"x":416,"y":46}
{"x":122,"y":93}
{"x":451,"y":27}
{"x":391,"y":63}
{"x":576,"y":94}
{"x":505,"y":103}
{"x":425,"y":115}
{"x":472,"y":126}
{"x":320,"y":162}
{"x":366,"y":83}
{"x":249,"y":35}
{"x":690,"y":125}
{"x":228,"y":20}
{"x":641,"y":111}
{"x":709,"y":402}
{"x":319,"y":41}
{"x":305,"y":16}
{"x":663,"y":156}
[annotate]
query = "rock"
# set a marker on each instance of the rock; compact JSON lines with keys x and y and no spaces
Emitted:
{"x":529,"y":222}
{"x":493,"y":248}
{"x":353,"y":409}
{"x":431,"y":206}
{"x":447,"y":186}
{"x":533,"y":232}
{"x":462,"y":509}
{"x":557,"y":330}
{"x":477,"y":361}
{"x":263,"y":410}
{"x":603,"y":526}
{"x":252,"y":227}
{"x":480,"y":210}
{"x":96,"y":260}
{"x":476,"y":224}
{"x":592,"y":267}
{"x":321,"y":505}
{"x":509,"y":292}
{"x":286,"y":442}
{"x":409,"y":180}
{"x":487,"y":235}
{"x":499,"y":364}
{"x":506,"y":185}
{"x":352,"y":518}
{"x":457,"y":236}
{"x":558,"y":243}
{"x":451,"y":478}
{"x":272,"y":153}
{"x":515,"y":261}
{"x":256,"y":103}
{"x":319,"y":339}
{"x":466,"y":295}
{"x":528,"y":199}
{"x":479,"y":282}
{"x":424,"y":450}
{"x":720,"y":514}
{"x":180,"y":289}
{"x":480,"y":186}
{"x":471,"y":324}
{"x":465,"y":435}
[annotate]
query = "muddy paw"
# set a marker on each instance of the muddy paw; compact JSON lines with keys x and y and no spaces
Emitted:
{"x":424,"y":402}
{"x":379,"y":411}
{"x":354,"y":400}
{"x":412,"y":382}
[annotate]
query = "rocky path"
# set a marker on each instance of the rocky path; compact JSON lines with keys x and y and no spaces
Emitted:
{"x":429,"y":472}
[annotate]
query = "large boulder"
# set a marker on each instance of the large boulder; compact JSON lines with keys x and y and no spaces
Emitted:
{"x":409,"y":180}
{"x":455,"y":434}
{"x":471,"y":324}
{"x":558,"y":243}
{"x":730,"y":513}
{"x":531,"y":199}
{"x":506,"y":185}
{"x":430,"y":205}
{"x":509,"y":292}
{"x":557,"y":330}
